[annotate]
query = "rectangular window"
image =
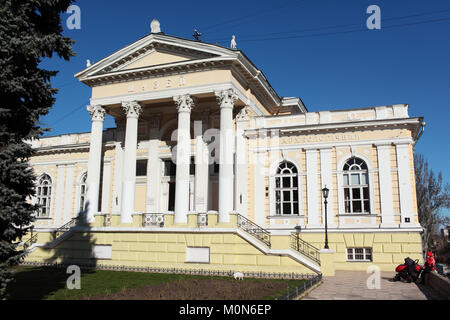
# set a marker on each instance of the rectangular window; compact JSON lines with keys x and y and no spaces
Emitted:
{"x":346,"y":180}
{"x":359,"y":254}
{"x":170,"y":168}
{"x":355,"y":179}
{"x":141,"y":168}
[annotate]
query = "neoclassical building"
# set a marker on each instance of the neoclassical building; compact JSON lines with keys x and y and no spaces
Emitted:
{"x":209,"y":168}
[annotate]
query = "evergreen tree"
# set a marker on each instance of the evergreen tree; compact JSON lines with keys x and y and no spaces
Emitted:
{"x":30,"y":30}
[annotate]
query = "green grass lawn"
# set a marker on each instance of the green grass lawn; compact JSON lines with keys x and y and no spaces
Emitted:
{"x":43,"y":283}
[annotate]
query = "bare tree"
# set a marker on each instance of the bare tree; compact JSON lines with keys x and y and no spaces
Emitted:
{"x":432,"y":196}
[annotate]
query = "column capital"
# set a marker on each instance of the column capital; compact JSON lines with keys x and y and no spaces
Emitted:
{"x":132,"y":109}
{"x":243,"y":114}
{"x":97,"y":112}
{"x":185,"y":103}
{"x":226,"y":98}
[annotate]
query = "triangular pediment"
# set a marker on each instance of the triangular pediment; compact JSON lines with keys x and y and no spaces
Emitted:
{"x":156,"y":58}
{"x":159,"y":55}
{"x":153,"y":51}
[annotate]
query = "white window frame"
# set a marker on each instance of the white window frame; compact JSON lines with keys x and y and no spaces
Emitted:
{"x":44,"y":177}
{"x":82,"y":203}
{"x":340,"y":180}
{"x":273,"y":189}
{"x":365,"y":252}
{"x":361,"y":174}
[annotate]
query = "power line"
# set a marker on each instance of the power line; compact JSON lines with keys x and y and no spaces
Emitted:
{"x":331,"y":27}
{"x":278,"y":7}
{"x":68,"y":114}
{"x":344,"y":32}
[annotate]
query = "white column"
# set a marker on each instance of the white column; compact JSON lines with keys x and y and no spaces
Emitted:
{"x":201,"y":182}
{"x":404,"y":184}
{"x":133,"y":111}
{"x":117,"y":186}
{"x":312,"y":188}
{"x":95,"y":156}
{"x":68,"y":194}
{"x":327,"y":180}
{"x":153,"y":168}
{"x":385,"y":182}
{"x":183,"y":160}
{"x":106,"y":187}
{"x":241,"y":178}
{"x":226,"y":99}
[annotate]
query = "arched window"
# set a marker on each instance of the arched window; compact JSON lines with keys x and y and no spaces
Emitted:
{"x":44,"y":196}
{"x":83,"y":188}
{"x":286,"y":189}
{"x":356,"y":186}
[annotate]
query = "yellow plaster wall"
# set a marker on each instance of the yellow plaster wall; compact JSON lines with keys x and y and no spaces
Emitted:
{"x":388,"y":249}
{"x":156,"y":58}
{"x":139,"y":197}
{"x":79,"y":159}
{"x":227,"y":251}
{"x":249,"y":94}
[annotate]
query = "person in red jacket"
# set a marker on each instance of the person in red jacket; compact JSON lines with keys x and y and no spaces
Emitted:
{"x":430,"y":263}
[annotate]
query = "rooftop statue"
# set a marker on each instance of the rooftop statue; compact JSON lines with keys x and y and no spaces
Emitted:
{"x":155,"y":26}
{"x":233,"y":43}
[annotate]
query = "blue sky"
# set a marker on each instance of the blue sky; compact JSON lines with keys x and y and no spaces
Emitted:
{"x":320,"y":51}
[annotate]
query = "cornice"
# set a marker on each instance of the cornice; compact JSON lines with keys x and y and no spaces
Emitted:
{"x":70,"y":147}
{"x":339,"y":126}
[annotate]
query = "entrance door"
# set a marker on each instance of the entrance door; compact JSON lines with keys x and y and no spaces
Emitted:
{"x":170,"y":178}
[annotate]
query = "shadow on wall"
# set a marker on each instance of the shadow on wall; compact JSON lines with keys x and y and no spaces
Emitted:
{"x":38,"y":283}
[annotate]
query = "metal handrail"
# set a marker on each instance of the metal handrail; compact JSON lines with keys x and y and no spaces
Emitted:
{"x":254,"y":230}
{"x":66,"y":227}
{"x":305,"y":248}
{"x":29,"y":242}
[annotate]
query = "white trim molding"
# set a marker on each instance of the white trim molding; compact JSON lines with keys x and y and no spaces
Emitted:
{"x":385,"y":185}
{"x":404,"y":185}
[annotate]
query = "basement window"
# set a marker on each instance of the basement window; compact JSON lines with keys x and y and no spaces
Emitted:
{"x":359,"y":254}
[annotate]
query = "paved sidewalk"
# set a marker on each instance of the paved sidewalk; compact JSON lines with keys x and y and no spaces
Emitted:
{"x":352,"y":285}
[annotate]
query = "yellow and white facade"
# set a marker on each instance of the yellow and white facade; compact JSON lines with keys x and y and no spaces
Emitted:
{"x":203,"y":149}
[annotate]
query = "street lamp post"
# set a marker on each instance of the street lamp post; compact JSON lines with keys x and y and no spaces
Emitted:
{"x":325,"y":192}
{"x":298,"y":229}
